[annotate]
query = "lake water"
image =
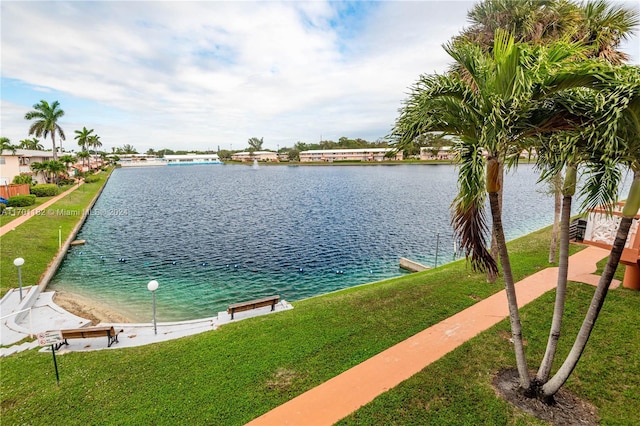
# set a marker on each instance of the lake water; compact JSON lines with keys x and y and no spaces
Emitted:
{"x":212,"y":235}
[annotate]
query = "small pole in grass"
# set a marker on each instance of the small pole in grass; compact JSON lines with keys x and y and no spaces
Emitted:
{"x":59,"y":237}
{"x":55,"y":364}
{"x":437,"y":243}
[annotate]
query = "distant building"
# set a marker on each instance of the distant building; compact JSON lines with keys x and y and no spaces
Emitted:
{"x":362,"y":154}
{"x":256,"y":155}
{"x":138,"y":160}
{"x":433,"y":153}
{"x":15,"y":164}
{"x":192,"y":159}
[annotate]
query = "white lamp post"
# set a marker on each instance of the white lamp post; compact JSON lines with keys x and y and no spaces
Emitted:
{"x":153,"y":286}
{"x":19,"y":262}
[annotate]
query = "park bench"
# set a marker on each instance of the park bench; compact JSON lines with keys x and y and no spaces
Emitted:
{"x":253,"y":304}
{"x":87,"y":332}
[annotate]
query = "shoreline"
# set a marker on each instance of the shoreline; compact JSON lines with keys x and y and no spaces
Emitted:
{"x":88,"y":308}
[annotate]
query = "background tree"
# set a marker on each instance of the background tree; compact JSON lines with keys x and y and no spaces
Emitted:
{"x":46,"y":122}
{"x":82,"y":136}
{"x":6,"y":145}
{"x":255,"y":144}
{"x":67,"y":160}
{"x":94,"y":143}
{"x":33,"y":144}
{"x":84,"y":155}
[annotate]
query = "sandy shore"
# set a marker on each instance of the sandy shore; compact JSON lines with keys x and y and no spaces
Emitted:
{"x":88,"y":308}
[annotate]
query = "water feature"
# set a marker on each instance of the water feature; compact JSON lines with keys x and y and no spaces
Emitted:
{"x":215,"y":235}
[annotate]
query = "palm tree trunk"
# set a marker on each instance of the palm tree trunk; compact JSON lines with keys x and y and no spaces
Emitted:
{"x":568,"y":189}
{"x":53,"y":141}
{"x":561,"y":292}
{"x":557,"y":179}
{"x":514,"y":315}
{"x":630,"y":210}
{"x":552,"y":386}
{"x":495,"y":250}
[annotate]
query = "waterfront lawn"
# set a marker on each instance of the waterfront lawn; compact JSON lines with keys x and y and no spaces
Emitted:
{"x":14,"y":213}
{"x":242,"y":370}
{"x":36,"y":240}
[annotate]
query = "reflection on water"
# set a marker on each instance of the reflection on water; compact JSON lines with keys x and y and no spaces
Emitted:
{"x":217,"y":234}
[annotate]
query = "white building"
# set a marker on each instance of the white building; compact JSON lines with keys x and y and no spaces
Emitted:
{"x":14,"y":164}
{"x":361,"y":154}
{"x":192,"y":159}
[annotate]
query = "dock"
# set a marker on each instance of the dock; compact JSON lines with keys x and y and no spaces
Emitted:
{"x":412,"y":266}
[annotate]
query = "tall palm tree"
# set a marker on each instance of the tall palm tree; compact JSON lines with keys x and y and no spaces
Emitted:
{"x":596,"y":24}
{"x":599,"y":26}
{"x":615,"y":140}
{"x":46,"y":122}
{"x":502,"y":101}
{"x":94,"y":142}
{"x":82,"y":136}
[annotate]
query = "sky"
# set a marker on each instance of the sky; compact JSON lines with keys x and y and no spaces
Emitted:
{"x":211,"y":75}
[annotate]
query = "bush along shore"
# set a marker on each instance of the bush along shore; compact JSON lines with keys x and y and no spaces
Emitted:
{"x":242,"y":370}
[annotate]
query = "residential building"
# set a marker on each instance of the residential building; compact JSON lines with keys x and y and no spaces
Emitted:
{"x":434,"y":153}
{"x":14,"y":164}
{"x":256,"y":155}
{"x":361,"y":154}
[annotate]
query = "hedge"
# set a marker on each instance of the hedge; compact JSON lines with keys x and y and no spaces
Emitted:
{"x":45,"y":190}
{"x":21,"y":200}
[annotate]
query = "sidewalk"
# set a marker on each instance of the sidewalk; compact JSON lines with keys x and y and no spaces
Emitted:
{"x":333,"y":400}
{"x":20,"y":220}
{"x":22,"y":319}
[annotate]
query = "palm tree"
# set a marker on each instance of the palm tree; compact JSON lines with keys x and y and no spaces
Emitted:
{"x":502,"y":101}
{"x":82,"y":136}
{"x":5,"y":145}
{"x":46,"y":122}
{"x":600,"y":27}
{"x":94,"y":142}
{"x":595,"y":24}
{"x":615,"y":140}
{"x":67,"y":160}
{"x":33,"y":144}
{"x":39,"y":168}
{"x":84,"y":155}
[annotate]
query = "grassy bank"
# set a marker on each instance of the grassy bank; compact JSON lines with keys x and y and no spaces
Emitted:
{"x":242,"y":370}
{"x":36,"y":240}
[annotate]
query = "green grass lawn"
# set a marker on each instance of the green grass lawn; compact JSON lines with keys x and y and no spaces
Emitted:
{"x":36,"y":240}
{"x":13,"y":213}
{"x":242,"y":370}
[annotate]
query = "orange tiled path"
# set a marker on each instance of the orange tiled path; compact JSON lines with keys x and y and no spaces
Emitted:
{"x":20,"y":220}
{"x":340,"y":396}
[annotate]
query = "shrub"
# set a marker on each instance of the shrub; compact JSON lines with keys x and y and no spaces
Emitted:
{"x":91,"y":179}
{"x":22,"y":200}
{"x":45,"y":190}
{"x":23,"y":179}
{"x":3,"y":206}
{"x":63,"y":182}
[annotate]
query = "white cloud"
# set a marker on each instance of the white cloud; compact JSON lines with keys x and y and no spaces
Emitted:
{"x":195,"y":75}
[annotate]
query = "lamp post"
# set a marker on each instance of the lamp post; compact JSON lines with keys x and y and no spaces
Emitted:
{"x":19,"y":262}
{"x":153,"y":286}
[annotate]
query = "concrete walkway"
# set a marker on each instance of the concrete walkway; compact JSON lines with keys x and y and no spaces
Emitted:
{"x":35,"y":212}
{"x":333,"y":400}
{"x":37,"y":312}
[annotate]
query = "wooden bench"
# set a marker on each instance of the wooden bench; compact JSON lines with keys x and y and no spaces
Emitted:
{"x":81,"y":333}
{"x":253,"y":304}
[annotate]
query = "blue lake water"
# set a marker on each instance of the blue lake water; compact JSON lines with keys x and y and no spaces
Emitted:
{"x":212,"y":235}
